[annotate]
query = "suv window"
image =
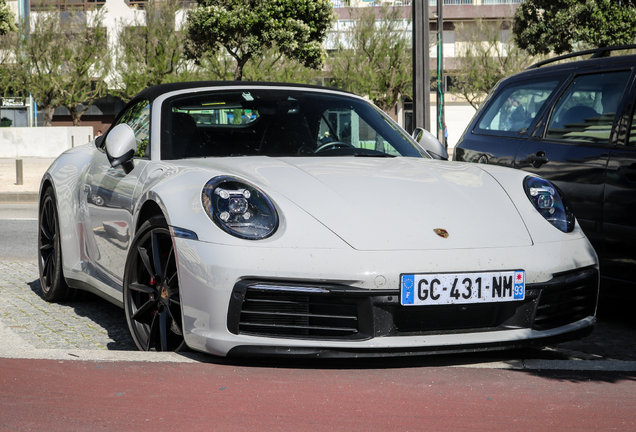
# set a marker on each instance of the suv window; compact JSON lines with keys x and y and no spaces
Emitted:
{"x":514,"y":108}
{"x":587,"y":109}
{"x":632,"y":132}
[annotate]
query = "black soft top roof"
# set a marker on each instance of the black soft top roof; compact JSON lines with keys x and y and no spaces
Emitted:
{"x":151,"y":93}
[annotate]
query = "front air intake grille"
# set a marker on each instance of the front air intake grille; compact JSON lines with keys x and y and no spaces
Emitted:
{"x":566,"y":299}
{"x":275,"y":313}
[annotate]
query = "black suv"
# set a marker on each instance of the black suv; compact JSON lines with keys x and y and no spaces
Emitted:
{"x":574,"y":124}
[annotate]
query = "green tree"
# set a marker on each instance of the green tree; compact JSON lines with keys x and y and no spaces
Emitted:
{"x":59,"y":59}
{"x":485,"y":56}
{"x":542,"y":26}
{"x":7,"y":19}
{"x":86,"y":63}
{"x":243,"y":29}
{"x":273,"y":65}
{"x":374,"y":56}
{"x":7,"y":30}
{"x":38,"y":66}
{"x":150,"y":50}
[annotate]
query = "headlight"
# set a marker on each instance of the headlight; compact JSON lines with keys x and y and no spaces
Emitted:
{"x":239,"y":209}
{"x":549,"y":201}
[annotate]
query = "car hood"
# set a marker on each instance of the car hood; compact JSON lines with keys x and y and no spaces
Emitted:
{"x":393,"y":203}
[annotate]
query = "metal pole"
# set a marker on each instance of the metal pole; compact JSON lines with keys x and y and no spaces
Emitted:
{"x":440,"y":74}
{"x":421,"y":68}
{"x":19,"y":173}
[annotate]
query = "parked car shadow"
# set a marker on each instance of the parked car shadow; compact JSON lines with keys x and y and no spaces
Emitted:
{"x":101,"y":312}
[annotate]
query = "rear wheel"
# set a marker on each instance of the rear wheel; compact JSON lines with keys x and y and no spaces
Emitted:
{"x":152,"y":300}
{"x":54,"y":287}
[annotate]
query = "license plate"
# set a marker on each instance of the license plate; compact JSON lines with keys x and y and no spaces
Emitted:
{"x":462,"y":288}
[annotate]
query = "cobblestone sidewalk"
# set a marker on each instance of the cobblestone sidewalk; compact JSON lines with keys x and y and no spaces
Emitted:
{"x":90,"y":324}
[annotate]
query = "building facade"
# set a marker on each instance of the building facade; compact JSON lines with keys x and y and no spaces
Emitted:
{"x":456,"y":13}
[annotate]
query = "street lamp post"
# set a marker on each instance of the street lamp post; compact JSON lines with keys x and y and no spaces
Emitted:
{"x":421,"y":65}
{"x":441,"y":121}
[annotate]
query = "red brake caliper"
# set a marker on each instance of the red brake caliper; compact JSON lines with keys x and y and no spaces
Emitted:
{"x":152,"y":282}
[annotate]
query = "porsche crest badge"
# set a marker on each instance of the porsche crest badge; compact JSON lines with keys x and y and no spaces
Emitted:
{"x":441,"y":232}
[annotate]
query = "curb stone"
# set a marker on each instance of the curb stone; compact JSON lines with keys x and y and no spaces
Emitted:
{"x":18,"y":197}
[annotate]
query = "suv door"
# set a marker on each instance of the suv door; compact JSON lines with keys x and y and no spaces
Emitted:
{"x":506,"y":121}
{"x":619,"y":211}
{"x":571,"y":145}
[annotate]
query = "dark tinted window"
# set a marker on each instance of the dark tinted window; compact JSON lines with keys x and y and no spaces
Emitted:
{"x":512,"y":111}
{"x":587,"y":109}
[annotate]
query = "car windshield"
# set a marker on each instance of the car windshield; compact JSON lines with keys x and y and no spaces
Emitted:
{"x":279,"y":122}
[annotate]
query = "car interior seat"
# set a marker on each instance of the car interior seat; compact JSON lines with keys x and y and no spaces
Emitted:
{"x":577,"y":114}
{"x":286,"y":135}
{"x":185,"y":138}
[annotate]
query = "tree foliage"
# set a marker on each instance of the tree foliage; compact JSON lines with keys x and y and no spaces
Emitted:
{"x":150,"y":50}
{"x":374,"y":56}
{"x":7,"y":26}
{"x":484,"y":58}
{"x":244,"y":29}
{"x":271,"y":65}
{"x":542,"y":26}
{"x":7,"y":19}
{"x":86,"y":63}
{"x":60,"y":60}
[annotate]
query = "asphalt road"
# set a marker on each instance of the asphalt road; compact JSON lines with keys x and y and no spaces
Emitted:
{"x":95,"y":396}
{"x":18,"y":231}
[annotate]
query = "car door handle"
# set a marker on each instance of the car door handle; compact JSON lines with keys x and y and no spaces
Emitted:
{"x":537,"y":159}
{"x":628,"y":171}
{"x":87,"y":189}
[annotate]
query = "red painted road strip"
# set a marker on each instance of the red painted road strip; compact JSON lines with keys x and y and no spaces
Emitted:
{"x":51,"y":395}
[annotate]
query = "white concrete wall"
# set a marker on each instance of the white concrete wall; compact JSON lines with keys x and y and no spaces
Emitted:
{"x":457,"y":118}
{"x":42,"y":141}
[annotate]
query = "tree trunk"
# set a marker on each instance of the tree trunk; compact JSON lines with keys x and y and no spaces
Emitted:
{"x":240,"y":64}
{"x":77,"y":117}
{"x":76,"y":114}
{"x":47,"y":117}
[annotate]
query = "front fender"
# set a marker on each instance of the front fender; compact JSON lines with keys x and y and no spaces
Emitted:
{"x":178,"y":194}
{"x":65,"y":176}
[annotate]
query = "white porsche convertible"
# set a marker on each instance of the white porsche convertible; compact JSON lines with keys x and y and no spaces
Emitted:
{"x":263,"y":219}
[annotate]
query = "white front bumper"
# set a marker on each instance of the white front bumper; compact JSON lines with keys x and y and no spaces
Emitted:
{"x":208,"y":273}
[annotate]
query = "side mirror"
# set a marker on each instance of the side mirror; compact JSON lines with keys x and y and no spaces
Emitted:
{"x":121,"y":146}
{"x":431,"y":144}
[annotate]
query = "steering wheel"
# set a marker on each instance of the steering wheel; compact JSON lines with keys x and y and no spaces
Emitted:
{"x":332,"y":145}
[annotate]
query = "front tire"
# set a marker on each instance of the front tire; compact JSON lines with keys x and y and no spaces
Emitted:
{"x":54,"y":286}
{"x":152,"y":300}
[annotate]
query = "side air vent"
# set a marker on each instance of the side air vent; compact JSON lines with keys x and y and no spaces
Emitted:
{"x":566,"y":299}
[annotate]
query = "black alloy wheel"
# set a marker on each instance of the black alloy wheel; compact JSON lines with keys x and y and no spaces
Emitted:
{"x":151,"y":290}
{"x":54,"y":287}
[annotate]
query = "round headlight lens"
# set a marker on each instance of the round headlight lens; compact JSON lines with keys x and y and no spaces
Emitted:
{"x":549,"y":201}
{"x":239,"y":209}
